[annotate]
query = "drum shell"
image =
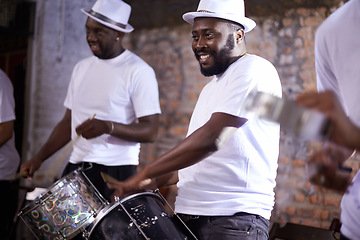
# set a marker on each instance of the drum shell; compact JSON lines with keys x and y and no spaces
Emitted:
{"x":66,"y":209}
{"x":147,"y":209}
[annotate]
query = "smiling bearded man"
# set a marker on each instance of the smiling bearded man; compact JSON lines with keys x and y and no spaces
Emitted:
{"x":228,"y":161}
{"x":116,"y":85}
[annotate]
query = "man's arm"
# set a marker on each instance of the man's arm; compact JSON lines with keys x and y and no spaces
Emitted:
{"x":144,"y":130}
{"x":60,"y":135}
{"x":6,"y":131}
{"x":191,"y":150}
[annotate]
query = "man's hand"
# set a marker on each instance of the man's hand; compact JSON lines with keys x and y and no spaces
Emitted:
{"x":324,"y":167}
{"x":136,"y":183}
{"x":92,"y":128}
{"x":344,"y":132}
{"x":28,"y":168}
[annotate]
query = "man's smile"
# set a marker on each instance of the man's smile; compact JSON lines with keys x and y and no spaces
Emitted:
{"x":203,"y":58}
{"x":94,"y":47}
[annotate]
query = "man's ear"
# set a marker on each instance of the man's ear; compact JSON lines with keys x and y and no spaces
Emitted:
{"x":239,"y":35}
{"x":120,"y":34}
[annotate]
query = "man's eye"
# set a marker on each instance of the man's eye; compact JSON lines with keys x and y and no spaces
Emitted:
{"x":209,"y":35}
{"x":195,"y":37}
{"x":99,"y":33}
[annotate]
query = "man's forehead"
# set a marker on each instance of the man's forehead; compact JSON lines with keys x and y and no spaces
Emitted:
{"x":91,"y":21}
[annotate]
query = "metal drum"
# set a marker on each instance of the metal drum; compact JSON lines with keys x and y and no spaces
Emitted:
{"x":65,"y":210}
{"x":139,"y":216}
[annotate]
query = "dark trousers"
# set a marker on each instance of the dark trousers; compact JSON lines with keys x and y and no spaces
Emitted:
{"x":237,"y":227}
{"x":8,"y":202}
{"x":92,"y":171}
{"x":342,"y":237}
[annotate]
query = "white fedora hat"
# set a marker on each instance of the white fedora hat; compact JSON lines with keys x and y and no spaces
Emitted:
{"x":233,"y":10}
{"x":114,"y":14}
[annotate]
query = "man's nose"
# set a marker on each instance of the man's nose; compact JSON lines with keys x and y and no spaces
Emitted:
{"x":200,"y":43}
{"x":91,"y":36}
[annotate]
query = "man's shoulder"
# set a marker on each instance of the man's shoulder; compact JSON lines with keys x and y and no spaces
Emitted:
{"x":257,"y":59}
{"x":342,"y":18}
{"x":260,"y":70}
{"x":252,"y":62}
{"x":136,"y":59}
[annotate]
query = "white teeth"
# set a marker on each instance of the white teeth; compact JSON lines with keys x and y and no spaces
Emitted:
{"x":204,"y":56}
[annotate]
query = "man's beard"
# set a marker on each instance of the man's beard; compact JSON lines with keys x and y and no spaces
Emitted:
{"x":221,"y":59}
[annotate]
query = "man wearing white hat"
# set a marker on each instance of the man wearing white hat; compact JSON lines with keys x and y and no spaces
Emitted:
{"x":227,"y":163}
{"x":120,"y":89}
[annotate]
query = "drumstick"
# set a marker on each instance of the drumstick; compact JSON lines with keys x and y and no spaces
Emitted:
{"x":59,"y":161}
{"x":17,"y":176}
{"x":63,"y":156}
{"x":108,"y":179}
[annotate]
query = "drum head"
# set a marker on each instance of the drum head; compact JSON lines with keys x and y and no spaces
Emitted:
{"x":69,"y":206}
{"x":148,"y":213}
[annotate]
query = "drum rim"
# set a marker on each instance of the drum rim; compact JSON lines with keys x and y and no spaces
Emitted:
{"x":138,"y":194}
{"x":39,"y":200}
{"x":81,"y":228}
{"x":43,"y":196}
{"x":103,"y":212}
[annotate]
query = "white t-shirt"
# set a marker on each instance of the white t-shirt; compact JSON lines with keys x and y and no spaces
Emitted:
{"x":337,"y":58}
{"x":121,"y":90}
{"x":240,"y":177}
{"x":9,"y":157}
